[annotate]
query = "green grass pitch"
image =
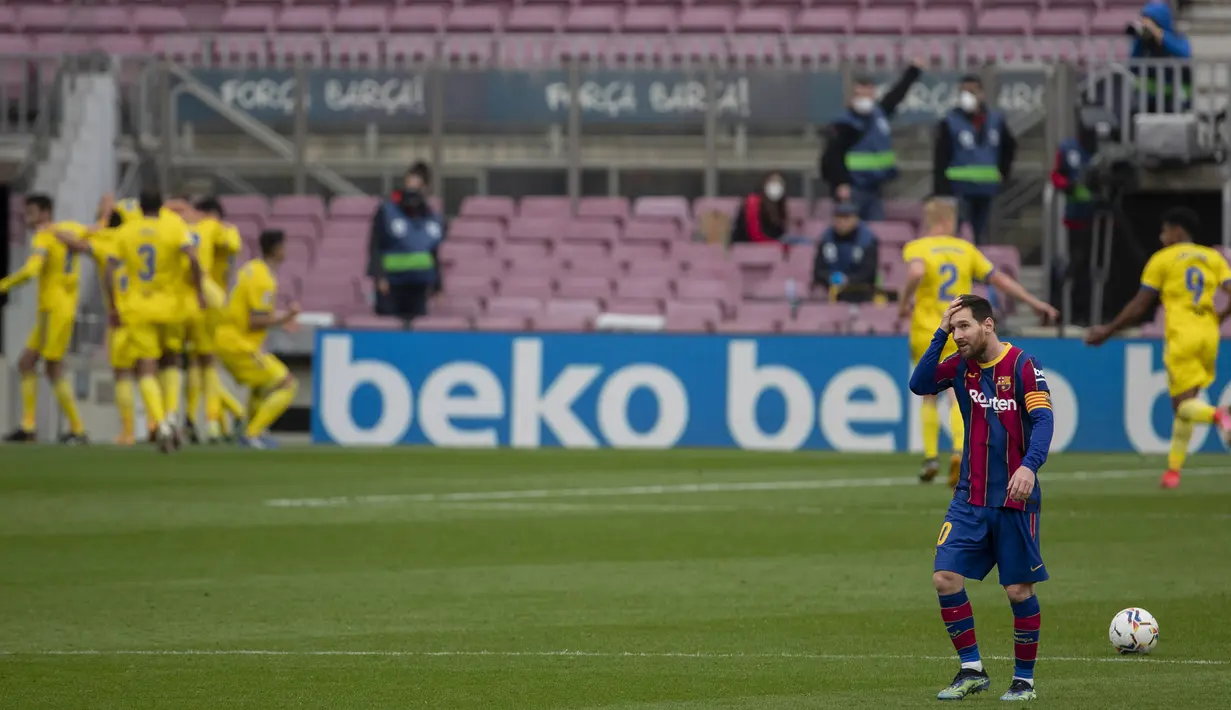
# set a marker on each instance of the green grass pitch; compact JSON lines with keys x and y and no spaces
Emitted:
{"x":414,"y":578}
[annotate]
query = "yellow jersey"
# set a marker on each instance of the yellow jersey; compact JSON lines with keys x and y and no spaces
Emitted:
{"x":1186,"y":276}
{"x":103,"y":245}
{"x":950,"y":266}
{"x":151,"y":250}
{"x":226,"y":244}
{"x":254,"y":293}
{"x":57,"y":268}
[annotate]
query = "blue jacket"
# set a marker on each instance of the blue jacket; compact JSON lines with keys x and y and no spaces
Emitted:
{"x":854,"y":255}
{"x":1173,"y":45}
{"x":405,"y":246}
{"x":871,"y":160}
{"x":973,"y":169}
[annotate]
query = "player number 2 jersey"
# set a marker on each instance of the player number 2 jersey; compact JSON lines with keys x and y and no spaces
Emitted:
{"x":1186,"y":277}
{"x":951,"y":266}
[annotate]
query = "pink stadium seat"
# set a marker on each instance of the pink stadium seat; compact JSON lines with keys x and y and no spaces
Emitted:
{"x":448,"y":304}
{"x":477,"y":18}
{"x":649,"y":20}
{"x":659,"y":231}
{"x":363,"y":19}
{"x":473,"y":48}
{"x":726,"y":205}
{"x":719,"y":293}
{"x":882,"y":21}
{"x":1004,"y":257}
{"x":904,"y":211}
{"x":819,"y":318}
{"x":476,"y":229}
{"x":366,"y":322}
{"x":770,"y":20}
{"x":1062,"y":22}
{"x":638,"y":307}
{"x":628,"y":253}
{"x":121,"y":45}
{"x":545,"y":270}
{"x":942,"y":20}
{"x":417,"y":18}
{"x":534,"y":18}
{"x":873,"y":320}
{"x":576,"y":254}
{"x":657,"y":268}
{"x":247,"y":19}
{"x":357,"y":206}
{"x":502,"y":323}
{"x":673,"y":207}
{"x":513,"y":306}
{"x":245,"y":206}
{"x":476,"y":286}
{"x":893,"y":235}
{"x":753,"y":256}
{"x":452,"y":252}
{"x":567,"y":322}
{"x":412,"y":48}
{"x":439,"y":323}
{"x":44,"y":18}
{"x":159,"y":19}
{"x":585,"y":308}
{"x":1004,"y":21}
{"x":592,"y":19}
{"x":309,"y":206}
{"x":749,"y":326}
{"x":587,"y":287}
{"x":1112,"y":20}
{"x":823,"y":20}
{"x":545,"y":206}
{"x":611,"y":207}
{"x":757,"y":48}
{"x":489,"y":206}
{"x":709,"y":20}
{"x":773,"y":314}
{"x":692,"y":317}
{"x":526,"y":287}
{"x":593,"y":231}
{"x":525,"y":251}
{"x":544,"y":230}
{"x":637,"y":288}
{"x":305,"y":19}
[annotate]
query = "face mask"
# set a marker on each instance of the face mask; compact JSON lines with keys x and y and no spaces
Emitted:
{"x":863,"y":104}
{"x":775,"y":190}
{"x":968,"y":102}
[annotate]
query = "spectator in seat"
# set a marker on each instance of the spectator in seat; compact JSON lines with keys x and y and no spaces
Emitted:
{"x":859,"y":160}
{"x":762,"y":217}
{"x":847,"y":258}
{"x":973,"y":156}
{"x":403,"y":244}
{"x":1154,"y":37}
{"x":1067,"y":176}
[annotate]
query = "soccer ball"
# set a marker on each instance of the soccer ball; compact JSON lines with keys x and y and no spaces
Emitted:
{"x":1133,"y":630}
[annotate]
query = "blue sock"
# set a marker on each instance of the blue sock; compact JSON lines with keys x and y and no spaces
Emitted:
{"x":1026,"y":618}
{"x":960,"y":623}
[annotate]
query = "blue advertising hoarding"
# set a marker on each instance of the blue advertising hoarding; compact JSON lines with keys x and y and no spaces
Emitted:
{"x":349,"y":99}
{"x":660,"y":391}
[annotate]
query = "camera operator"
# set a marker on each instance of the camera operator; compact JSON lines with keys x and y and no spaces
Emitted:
{"x":1068,"y":176}
{"x":1154,"y":37}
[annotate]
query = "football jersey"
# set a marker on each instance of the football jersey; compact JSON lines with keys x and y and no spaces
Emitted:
{"x":60,"y":277}
{"x":254,"y":293}
{"x":950,"y":266}
{"x":1186,"y":277}
{"x":227,"y":245}
{"x":997,"y":400}
{"x":151,"y":251}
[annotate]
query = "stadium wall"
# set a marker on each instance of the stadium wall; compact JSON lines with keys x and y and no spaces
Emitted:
{"x":661,"y":391}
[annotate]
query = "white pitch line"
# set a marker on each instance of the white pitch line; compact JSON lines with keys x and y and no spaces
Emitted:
{"x":786,"y":655}
{"x":687,"y":488}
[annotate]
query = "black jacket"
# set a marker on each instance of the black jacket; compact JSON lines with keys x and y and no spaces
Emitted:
{"x":841,"y":136}
{"x":943,"y":153}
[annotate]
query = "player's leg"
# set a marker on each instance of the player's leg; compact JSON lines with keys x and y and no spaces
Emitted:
{"x":1190,"y":369}
{"x":145,"y":341}
{"x":122,"y":365}
{"x":195,"y":379}
{"x":278,"y":395}
{"x":963,"y":551}
{"x":929,"y":415}
{"x":27,"y":367}
{"x":1020,"y":561}
{"x":957,"y":431}
{"x":59,"y":333}
{"x":171,"y":373}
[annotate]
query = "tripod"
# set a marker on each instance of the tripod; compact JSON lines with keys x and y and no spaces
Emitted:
{"x":1102,"y":233}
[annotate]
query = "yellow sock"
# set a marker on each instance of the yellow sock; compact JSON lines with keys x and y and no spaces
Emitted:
{"x":212,"y":386}
{"x":931,"y":428}
{"x":172,"y":380}
{"x":151,"y":394}
{"x":1195,"y":411}
{"x":29,"y":400}
{"x":957,"y":428}
{"x":254,"y":403}
{"x":273,"y":406}
{"x":1181,"y":432}
{"x":227,"y":400}
{"x":126,"y":403}
{"x":68,"y":405}
{"x":195,"y":385}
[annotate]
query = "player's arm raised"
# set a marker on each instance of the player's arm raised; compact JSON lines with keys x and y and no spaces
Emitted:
{"x":113,"y":265}
{"x":1002,"y":281}
{"x":31,"y":269}
{"x":931,"y":376}
{"x":1152,"y":278}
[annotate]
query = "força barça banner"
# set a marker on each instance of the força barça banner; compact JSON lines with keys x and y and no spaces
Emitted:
{"x":660,"y":391}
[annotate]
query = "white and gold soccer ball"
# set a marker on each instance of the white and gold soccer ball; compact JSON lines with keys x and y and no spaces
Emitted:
{"x":1133,"y":630}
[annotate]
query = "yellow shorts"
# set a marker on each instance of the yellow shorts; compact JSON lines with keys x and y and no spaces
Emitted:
{"x":919,"y":343}
{"x":120,"y":347}
{"x":257,"y":370}
{"x":52,"y":333}
{"x":199,"y":335}
{"x":150,"y":341}
{"x":1190,"y":360}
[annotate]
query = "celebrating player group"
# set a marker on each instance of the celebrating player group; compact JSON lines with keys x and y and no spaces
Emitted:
{"x":164,"y":269}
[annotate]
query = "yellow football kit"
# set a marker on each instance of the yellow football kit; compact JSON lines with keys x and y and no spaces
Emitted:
{"x":198,"y":324}
{"x":58,"y":271}
{"x":151,"y":251}
{"x":239,"y":344}
{"x":950,"y":267}
{"x":227,"y":245}
{"x":1186,"y":276}
{"x":103,"y":244}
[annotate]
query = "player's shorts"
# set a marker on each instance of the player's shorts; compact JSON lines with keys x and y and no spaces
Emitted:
{"x":919,"y":342}
{"x":120,"y":347}
{"x":199,"y":335}
{"x":1190,"y":360}
{"x":150,"y":341}
{"x":975,"y":538}
{"x":252,"y":368}
{"x":53,"y":330}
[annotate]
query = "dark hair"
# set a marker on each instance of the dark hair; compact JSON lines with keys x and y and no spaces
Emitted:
{"x":270,"y":240}
{"x":1183,"y":217}
{"x":980,"y":307}
{"x":972,"y":79}
{"x":151,"y":202}
{"x":863,"y":80}
{"x":41,"y":201}
{"x":421,"y":169}
{"x":210,"y":205}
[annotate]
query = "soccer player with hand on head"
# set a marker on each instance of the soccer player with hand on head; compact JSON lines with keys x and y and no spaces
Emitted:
{"x":941,"y":266}
{"x":1185,"y":277}
{"x":58,"y":272}
{"x":993,"y":519}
